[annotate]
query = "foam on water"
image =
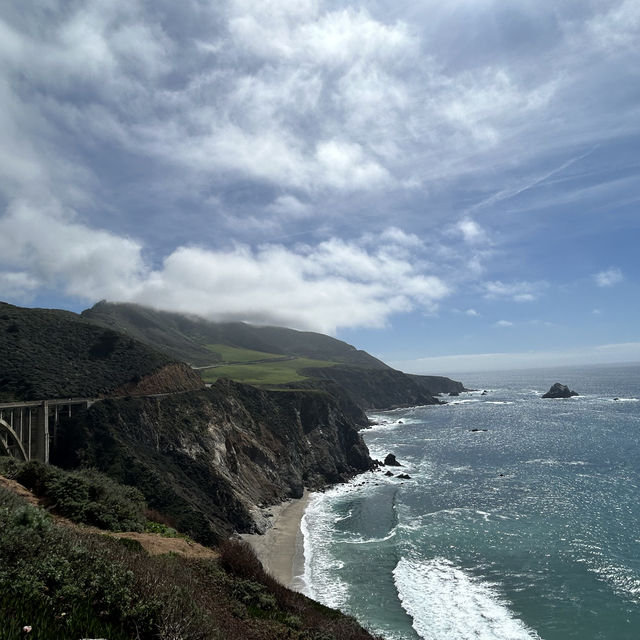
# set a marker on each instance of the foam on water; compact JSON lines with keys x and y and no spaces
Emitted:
{"x":391,"y":534}
{"x":320,"y":583}
{"x":447,"y":603}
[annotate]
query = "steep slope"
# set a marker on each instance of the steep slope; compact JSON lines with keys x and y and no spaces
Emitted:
{"x":48,"y":353}
{"x":373,"y":388}
{"x":206,"y":458}
{"x":189,"y":338}
{"x":67,"y":582}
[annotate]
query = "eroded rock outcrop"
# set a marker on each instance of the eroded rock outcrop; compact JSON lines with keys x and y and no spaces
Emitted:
{"x":172,"y":378}
{"x":206,"y":458}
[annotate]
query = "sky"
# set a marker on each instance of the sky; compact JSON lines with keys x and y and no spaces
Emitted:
{"x":450,"y":186}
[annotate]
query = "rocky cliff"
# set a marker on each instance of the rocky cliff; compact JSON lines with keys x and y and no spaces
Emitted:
{"x":437,"y":384}
{"x":175,"y":377}
{"x":375,"y":388}
{"x":206,"y":458}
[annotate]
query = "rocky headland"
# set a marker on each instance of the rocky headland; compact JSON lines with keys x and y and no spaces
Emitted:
{"x":207,"y":459}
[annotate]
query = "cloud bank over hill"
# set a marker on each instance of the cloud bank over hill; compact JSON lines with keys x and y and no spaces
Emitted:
{"x":329,"y":285}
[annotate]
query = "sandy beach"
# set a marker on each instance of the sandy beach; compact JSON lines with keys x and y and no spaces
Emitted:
{"x":280,"y":548}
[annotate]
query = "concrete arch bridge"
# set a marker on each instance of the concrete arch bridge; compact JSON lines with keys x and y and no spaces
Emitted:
{"x":27,"y":429}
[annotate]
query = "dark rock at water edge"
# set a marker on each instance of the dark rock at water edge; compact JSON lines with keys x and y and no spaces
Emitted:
{"x":390,"y":461}
{"x":559,"y":391}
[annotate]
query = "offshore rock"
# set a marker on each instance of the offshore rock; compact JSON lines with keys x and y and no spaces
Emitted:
{"x":390,"y":461}
{"x":559,"y":391}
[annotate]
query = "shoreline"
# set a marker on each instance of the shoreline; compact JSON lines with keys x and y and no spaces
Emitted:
{"x":280,"y":549}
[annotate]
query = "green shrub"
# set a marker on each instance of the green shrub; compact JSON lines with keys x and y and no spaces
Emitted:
{"x":161,"y":529}
{"x":85,"y":496}
{"x":68,"y":584}
{"x":238,"y":558}
{"x":254,"y":595}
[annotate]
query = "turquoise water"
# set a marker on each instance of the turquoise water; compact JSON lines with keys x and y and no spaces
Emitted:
{"x":530,"y":529}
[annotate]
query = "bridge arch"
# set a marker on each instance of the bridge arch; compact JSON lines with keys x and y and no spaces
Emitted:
{"x":7,"y":429}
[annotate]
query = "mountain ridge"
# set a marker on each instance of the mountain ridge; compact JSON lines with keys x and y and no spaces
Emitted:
{"x":365,"y":380}
{"x":184,"y":335}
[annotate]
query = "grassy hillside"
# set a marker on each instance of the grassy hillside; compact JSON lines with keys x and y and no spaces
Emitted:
{"x":232,"y":355}
{"x":48,"y":353}
{"x":193,"y":339}
{"x":62,"y":582}
{"x":270,"y":373}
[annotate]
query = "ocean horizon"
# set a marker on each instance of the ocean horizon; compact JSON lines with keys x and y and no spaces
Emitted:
{"x":520,"y":519}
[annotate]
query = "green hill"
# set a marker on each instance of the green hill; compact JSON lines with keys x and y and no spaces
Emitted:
{"x":48,"y":353}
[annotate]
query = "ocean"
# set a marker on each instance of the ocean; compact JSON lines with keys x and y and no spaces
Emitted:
{"x":526,"y":528}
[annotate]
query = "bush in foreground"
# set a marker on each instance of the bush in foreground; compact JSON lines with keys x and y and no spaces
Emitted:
{"x":65,"y":583}
{"x":84,"y":496}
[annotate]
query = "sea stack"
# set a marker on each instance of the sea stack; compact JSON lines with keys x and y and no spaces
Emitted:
{"x":390,"y":461}
{"x":559,"y":391}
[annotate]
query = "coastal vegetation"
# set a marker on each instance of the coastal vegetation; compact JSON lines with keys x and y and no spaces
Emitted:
{"x":48,"y":353}
{"x":85,"y":496}
{"x":269,"y":373}
{"x":62,"y":582}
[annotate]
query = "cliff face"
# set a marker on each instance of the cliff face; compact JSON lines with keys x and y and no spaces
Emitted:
{"x":205,"y":458}
{"x":376,"y":388}
{"x":437,"y":384}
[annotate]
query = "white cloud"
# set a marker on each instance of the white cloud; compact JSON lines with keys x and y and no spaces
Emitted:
{"x":325,"y":286}
{"x":503,"y":323}
{"x":617,"y":28}
{"x":398,"y":237}
{"x":47,"y":245}
{"x":471,"y":231}
{"x":288,"y":206}
{"x":17,"y":285}
{"x":288,"y":112}
{"x":471,"y":312}
{"x":518,"y":291}
{"x":609,"y":277}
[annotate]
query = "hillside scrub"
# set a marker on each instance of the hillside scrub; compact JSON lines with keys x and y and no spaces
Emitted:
{"x":49,"y":353}
{"x":64,"y":583}
{"x":85,"y":496}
